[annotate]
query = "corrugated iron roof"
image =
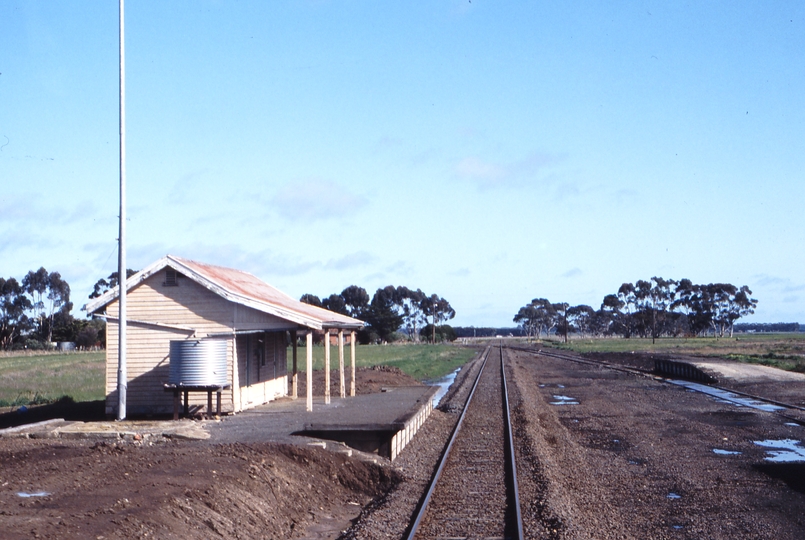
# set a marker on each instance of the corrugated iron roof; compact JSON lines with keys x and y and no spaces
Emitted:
{"x":242,"y":288}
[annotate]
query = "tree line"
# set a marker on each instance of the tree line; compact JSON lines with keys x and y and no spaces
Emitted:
{"x":769,"y":327}
{"x":393,"y":313}
{"x":35,"y":312}
{"x":648,"y":308}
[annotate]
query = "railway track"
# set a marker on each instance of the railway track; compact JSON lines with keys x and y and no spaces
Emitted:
{"x":473,"y":493}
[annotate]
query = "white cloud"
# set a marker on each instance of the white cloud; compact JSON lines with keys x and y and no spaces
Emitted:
{"x":396,"y":272}
{"x":775,"y":282}
{"x":18,"y":207}
{"x":461,"y":272}
{"x":316,"y":199}
{"x":487,"y":174}
{"x":187,"y":188}
{"x":352,"y":260}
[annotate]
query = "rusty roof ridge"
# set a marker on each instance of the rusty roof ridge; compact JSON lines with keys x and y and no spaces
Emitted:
{"x":186,"y":267}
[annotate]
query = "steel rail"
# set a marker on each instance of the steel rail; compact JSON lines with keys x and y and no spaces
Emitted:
{"x":443,"y":460}
{"x":512,"y":489}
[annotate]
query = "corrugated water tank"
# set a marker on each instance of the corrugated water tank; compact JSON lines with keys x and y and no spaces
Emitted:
{"x":198,"y":363}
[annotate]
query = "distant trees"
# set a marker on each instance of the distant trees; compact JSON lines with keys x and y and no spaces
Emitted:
{"x":439,"y":310}
{"x":14,"y":309}
{"x":103,"y":285}
{"x":536,"y":318}
{"x":384,"y":314}
{"x":769,"y":327}
{"x":311,"y":299}
{"x":49,"y":293}
{"x":582,"y":319}
{"x":35,"y":311}
{"x":648,"y":308}
{"x":389,"y":310}
{"x":486,"y":331}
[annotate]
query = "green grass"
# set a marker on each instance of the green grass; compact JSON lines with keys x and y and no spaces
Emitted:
{"x":784,"y":351}
{"x":422,"y":362}
{"x":32,"y":379}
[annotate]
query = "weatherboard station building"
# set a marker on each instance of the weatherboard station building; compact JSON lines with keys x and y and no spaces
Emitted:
{"x":175,"y":304}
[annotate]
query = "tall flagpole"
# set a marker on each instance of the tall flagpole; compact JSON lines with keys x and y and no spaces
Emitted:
{"x":121,"y":262}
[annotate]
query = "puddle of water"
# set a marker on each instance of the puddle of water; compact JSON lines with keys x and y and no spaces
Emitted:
{"x":673,"y":496}
{"x":783,"y":450}
{"x":792,"y":424}
{"x":560,"y":385}
{"x":677,"y":527}
{"x":444,"y":385}
{"x":564,"y":400}
{"x":37,"y":494}
{"x":726,"y":397}
{"x":721,"y":452}
{"x":542,"y":386}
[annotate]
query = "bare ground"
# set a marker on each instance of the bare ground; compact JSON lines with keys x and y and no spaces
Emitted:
{"x":167,"y":488}
{"x":633,"y":459}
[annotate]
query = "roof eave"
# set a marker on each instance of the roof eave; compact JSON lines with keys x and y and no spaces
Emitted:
{"x":112,"y":294}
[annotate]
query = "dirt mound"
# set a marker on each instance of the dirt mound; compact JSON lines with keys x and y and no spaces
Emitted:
{"x":180,"y":490}
{"x":368,"y":380}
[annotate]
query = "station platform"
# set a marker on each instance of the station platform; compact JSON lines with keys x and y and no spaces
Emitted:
{"x":381,"y":423}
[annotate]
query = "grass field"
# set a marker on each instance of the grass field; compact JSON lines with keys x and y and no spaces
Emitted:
{"x":784,"y":351}
{"x":44,"y":378}
{"x":422,"y":362}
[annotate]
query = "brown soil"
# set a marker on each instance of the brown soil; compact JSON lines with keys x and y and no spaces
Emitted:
{"x":368,"y":380}
{"x":186,"y":489}
{"x":609,"y":467}
{"x":634,"y":458}
{"x":170,"y":490}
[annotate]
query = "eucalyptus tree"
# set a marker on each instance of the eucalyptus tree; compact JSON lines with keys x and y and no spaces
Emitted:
{"x":560,"y":310}
{"x":581,"y":317}
{"x":335,"y":302}
{"x":103,"y":285}
{"x":438,"y":309}
{"x":35,"y":284}
{"x":600,"y":323}
{"x":628,"y":309}
{"x":356,"y":301}
{"x":619,"y":320}
{"x":537,"y":317}
{"x":14,"y":306}
{"x":411,"y":303}
{"x":729,"y":303}
{"x":382,"y":314}
{"x":526,"y":318}
{"x":546,"y":315}
{"x":654,"y":299}
{"x":311,"y":299}
{"x":49,"y":293}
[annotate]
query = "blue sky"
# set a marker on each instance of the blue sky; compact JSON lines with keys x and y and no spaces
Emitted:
{"x":489,"y":152}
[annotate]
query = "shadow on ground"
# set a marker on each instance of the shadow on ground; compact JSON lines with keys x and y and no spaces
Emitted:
{"x":66,"y":408}
{"x":793,"y":474}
